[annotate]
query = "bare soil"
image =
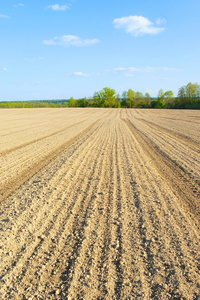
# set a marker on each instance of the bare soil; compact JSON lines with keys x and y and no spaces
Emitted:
{"x":99,"y":204}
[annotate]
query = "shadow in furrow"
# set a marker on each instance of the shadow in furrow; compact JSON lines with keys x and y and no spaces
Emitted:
{"x":119,"y":282}
{"x":79,"y":238}
{"x":148,"y":256}
{"x":79,"y":234}
{"x":119,"y":269}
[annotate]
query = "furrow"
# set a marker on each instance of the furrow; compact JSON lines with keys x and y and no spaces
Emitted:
{"x":37,"y":226}
{"x":174,"y":149}
{"x":90,"y":264}
{"x":133,"y":267}
{"x":8,"y":151}
{"x":156,"y":216}
{"x":186,"y":141}
{"x":173,"y":174}
{"x":22,"y":177}
{"x":110,"y":209}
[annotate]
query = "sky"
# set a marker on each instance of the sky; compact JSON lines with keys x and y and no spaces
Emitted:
{"x":61,"y":49}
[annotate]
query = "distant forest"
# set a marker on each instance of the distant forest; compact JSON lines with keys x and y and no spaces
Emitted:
{"x":188,"y":98}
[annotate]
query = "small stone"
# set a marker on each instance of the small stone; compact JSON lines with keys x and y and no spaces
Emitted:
{"x":58,"y":292}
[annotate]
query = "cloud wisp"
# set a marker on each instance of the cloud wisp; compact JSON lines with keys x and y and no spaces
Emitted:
{"x":138,"y":25}
{"x":70,"y":40}
{"x":127,"y":72}
{"x":84,"y":74}
{"x":131,"y":71}
{"x":161,"y":21}
{"x":58,"y":7}
{"x":4,"y":16}
{"x":19,"y":5}
{"x":81,"y":74}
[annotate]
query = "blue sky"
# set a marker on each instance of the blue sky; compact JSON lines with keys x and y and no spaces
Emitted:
{"x":58,"y":49}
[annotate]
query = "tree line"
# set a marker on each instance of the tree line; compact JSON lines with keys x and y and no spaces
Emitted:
{"x":188,"y":98}
{"x":34,"y":104}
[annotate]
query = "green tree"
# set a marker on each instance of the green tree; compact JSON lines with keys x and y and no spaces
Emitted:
{"x":161,"y":94}
{"x":72,"y":102}
{"x":124,"y":98}
{"x":159,"y":103}
{"x":182,"y":92}
{"x":98,"y":99}
{"x":117,"y":101}
{"x":104,"y":98}
{"x":109,"y":97}
{"x":147,"y":98}
{"x":190,"y":90}
{"x":169,"y":97}
{"x":131,"y":98}
{"x":124,"y":95}
{"x":138,"y":98}
{"x":82,"y":102}
{"x":197,"y":90}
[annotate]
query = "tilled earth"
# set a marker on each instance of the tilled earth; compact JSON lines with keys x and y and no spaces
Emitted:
{"x":99,"y":204}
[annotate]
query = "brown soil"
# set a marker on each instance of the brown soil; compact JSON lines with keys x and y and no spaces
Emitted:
{"x":99,"y":204}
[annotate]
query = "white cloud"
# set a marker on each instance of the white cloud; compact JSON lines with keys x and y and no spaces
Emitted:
{"x":4,"y":16}
{"x":70,"y":40}
{"x":58,"y":7}
{"x":129,"y":72}
{"x":161,"y":21}
{"x":19,"y":5}
{"x":137,"y":25}
{"x":5,"y":69}
{"x":81,"y":74}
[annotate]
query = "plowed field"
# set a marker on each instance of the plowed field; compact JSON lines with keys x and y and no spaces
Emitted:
{"x":99,"y":204}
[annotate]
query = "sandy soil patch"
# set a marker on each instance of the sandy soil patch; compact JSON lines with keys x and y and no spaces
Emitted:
{"x":99,"y":204}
